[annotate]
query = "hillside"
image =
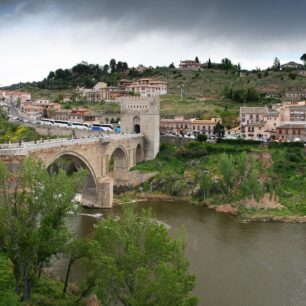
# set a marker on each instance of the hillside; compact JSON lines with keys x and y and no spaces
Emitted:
{"x":208,"y":93}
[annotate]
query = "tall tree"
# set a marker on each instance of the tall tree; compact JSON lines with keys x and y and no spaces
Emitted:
{"x":113,"y":65}
{"x":135,"y":262}
{"x":226,"y":63}
{"x":303,"y":58}
{"x":276,"y":64}
{"x":209,"y":64}
{"x":33,"y":206}
{"x":197,"y":59}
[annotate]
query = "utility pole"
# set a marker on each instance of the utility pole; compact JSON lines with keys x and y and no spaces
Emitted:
{"x":181,"y":86}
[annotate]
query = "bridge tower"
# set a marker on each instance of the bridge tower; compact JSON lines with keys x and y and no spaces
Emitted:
{"x":141,"y":115}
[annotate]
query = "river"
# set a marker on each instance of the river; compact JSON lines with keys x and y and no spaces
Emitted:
{"x":236,"y":264}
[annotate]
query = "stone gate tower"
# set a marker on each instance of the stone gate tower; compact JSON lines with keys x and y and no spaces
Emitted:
{"x":141,"y":115}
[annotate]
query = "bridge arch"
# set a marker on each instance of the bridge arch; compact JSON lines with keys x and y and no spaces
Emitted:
{"x":78,"y":157}
{"x":118,"y":160}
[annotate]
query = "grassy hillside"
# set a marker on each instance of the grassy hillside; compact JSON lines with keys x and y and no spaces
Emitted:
{"x":204,"y":92}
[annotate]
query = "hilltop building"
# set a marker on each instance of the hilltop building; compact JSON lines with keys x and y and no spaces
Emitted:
{"x":292,"y":65}
{"x":190,"y":65}
{"x":147,"y":87}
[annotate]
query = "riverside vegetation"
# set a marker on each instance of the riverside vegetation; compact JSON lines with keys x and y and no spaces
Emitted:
{"x":131,"y":260}
{"x":246,"y":178}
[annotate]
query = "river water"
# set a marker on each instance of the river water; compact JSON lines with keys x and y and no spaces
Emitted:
{"x":235,"y":263}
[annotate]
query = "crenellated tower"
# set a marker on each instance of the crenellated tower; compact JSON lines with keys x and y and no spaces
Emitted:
{"x":141,"y":115}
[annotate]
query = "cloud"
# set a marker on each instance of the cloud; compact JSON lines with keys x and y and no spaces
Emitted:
{"x":59,"y":33}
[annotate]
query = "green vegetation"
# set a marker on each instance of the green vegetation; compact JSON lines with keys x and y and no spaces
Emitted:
{"x":219,"y":90}
{"x":132,"y":260}
{"x":14,"y":132}
{"x":251,"y":177}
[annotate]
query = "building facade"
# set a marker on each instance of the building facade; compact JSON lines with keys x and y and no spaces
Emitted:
{"x":180,"y":125}
{"x":190,"y":65}
{"x":284,"y":121}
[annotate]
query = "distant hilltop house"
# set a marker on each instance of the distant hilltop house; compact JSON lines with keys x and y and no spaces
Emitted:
{"x":145,"y":87}
{"x":292,"y":65}
{"x":10,"y":96}
{"x":190,"y":65}
{"x":141,"y":68}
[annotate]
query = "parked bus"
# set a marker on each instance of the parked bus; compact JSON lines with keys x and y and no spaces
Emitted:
{"x":46,"y":121}
{"x":102,"y":127}
{"x":81,"y":126}
{"x":62,"y":123}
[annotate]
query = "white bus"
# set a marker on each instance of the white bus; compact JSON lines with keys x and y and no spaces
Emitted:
{"x":46,"y":121}
{"x":81,"y":126}
{"x":62,"y":123}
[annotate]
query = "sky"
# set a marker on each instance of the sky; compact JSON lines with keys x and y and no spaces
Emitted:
{"x":38,"y":36}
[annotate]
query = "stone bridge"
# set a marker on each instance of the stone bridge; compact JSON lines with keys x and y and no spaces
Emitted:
{"x":108,"y":158}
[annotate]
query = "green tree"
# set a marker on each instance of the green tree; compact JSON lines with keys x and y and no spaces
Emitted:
{"x":33,"y":206}
{"x":226,"y":64}
{"x":209,"y":64}
{"x":226,"y":168}
{"x":197,"y":59}
{"x":201,"y":137}
{"x":113,"y":65}
{"x":134,"y":261}
{"x":303,"y":58}
{"x":276,"y":64}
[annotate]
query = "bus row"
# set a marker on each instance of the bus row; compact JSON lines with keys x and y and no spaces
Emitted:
{"x":78,"y":125}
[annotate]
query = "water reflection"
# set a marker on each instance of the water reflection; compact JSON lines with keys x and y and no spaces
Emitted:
{"x":235,"y":264}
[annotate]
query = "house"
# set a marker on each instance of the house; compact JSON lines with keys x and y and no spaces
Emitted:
{"x":189,"y":65}
{"x":292,"y":65}
{"x":283,"y":121}
{"x":295,"y":95}
{"x":291,"y":132}
{"x":180,"y":125}
{"x":147,"y":87}
{"x":11,"y":96}
{"x":78,"y":115}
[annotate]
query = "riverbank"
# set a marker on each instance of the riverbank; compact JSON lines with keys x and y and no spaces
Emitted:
{"x":230,"y":209}
{"x":251,"y":181}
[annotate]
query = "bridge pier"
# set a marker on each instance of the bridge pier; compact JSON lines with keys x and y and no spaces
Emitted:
{"x":105,"y":192}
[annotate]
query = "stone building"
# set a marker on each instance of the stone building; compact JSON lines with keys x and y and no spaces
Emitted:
{"x":180,"y":125}
{"x":190,"y":65}
{"x":147,"y":87}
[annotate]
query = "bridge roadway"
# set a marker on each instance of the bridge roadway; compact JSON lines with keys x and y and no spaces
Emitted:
{"x":24,"y":148}
{"x":107,"y":157}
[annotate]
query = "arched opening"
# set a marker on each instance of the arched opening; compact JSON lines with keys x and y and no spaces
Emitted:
{"x":139,"y":154}
{"x":87,"y":193}
{"x":118,"y":162}
{"x":136,"y":125}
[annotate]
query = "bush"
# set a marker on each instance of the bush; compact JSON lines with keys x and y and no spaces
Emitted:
{"x":239,"y":141}
{"x":201,"y":137}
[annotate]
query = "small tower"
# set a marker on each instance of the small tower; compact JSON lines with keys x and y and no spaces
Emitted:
{"x":141,"y":115}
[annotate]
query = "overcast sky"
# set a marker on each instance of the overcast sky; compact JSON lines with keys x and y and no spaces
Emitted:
{"x":37,"y":36}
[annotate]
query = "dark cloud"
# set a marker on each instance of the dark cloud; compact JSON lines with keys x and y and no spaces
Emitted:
{"x":261,"y":18}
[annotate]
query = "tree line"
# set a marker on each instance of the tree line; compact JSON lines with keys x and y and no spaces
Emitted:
{"x":131,"y":260}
